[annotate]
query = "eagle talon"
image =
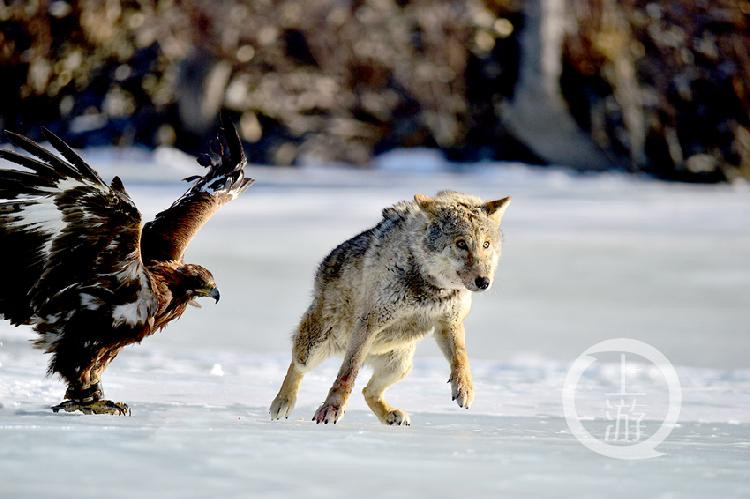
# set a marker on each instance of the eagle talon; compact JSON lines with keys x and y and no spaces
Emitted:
{"x":94,"y":407}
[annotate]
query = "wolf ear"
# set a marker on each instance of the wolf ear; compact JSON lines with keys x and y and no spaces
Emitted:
{"x":425,"y":203}
{"x":496,"y":209}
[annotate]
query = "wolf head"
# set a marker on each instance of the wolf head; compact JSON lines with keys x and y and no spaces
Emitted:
{"x":461,"y":243}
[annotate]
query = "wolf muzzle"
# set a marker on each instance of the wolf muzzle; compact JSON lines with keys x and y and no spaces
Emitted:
{"x":482,"y":282}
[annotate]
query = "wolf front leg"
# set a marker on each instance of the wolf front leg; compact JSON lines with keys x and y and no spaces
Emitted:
{"x":359,"y":345}
{"x":388,"y":369}
{"x":450,"y":338}
{"x":308,"y":350}
{"x":284,"y":402}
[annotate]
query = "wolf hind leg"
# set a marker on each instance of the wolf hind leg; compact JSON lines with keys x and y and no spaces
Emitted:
{"x":389,"y":368}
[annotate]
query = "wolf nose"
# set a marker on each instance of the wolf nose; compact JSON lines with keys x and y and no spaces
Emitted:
{"x":482,"y":282}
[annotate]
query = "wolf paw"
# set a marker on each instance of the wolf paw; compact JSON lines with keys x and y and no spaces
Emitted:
{"x":462,"y":390}
{"x":397,"y":417}
{"x":281,"y":407}
{"x":328,"y":412}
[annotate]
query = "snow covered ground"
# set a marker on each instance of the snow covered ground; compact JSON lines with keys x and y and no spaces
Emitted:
{"x":586,"y":258}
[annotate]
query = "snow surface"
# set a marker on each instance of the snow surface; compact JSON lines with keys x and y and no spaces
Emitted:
{"x":586,"y":258}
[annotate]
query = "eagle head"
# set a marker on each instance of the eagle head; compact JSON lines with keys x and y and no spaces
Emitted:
{"x":197,"y":281}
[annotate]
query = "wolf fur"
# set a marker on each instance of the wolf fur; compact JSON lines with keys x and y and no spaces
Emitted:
{"x":380,"y":292}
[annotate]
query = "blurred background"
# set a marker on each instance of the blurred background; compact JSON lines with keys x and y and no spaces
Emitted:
{"x":661,"y":87}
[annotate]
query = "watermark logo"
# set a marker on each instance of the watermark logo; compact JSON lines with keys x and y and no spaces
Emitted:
{"x":624,"y":410}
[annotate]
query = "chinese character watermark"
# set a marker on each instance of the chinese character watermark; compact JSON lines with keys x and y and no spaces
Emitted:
{"x":622,"y":410}
{"x":624,"y":413}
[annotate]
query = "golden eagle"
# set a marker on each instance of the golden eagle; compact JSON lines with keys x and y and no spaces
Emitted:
{"x":84,"y":273}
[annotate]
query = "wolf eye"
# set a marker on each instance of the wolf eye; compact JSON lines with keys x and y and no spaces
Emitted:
{"x":486,"y":244}
{"x":461,"y":244}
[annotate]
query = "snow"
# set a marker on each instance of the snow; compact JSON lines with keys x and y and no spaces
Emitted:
{"x":586,"y":258}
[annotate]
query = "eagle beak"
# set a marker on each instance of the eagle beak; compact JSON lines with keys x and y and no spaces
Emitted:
{"x":215,"y":294}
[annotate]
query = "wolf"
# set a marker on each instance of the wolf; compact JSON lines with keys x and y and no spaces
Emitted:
{"x":377,"y":294}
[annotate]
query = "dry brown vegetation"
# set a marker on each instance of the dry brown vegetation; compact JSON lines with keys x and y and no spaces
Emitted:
{"x":664,"y":84}
{"x":320,"y":79}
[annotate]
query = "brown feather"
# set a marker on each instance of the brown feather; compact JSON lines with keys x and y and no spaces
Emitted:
{"x":86,"y":277}
{"x":168,"y":235}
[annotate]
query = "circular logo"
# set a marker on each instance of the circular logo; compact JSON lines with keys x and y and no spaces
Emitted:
{"x":643,"y":449}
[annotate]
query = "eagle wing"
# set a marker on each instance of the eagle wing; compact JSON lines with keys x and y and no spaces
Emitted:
{"x":168,"y":235}
{"x":72,"y":242}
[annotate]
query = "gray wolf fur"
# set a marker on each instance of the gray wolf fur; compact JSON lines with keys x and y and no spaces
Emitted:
{"x":380,"y":292}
